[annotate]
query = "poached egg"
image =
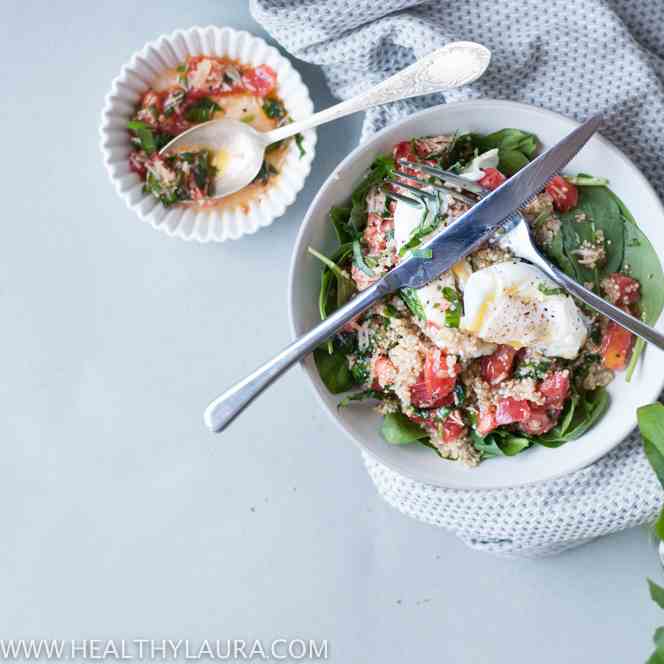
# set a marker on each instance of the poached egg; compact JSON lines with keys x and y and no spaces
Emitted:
{"x":513,"y":303}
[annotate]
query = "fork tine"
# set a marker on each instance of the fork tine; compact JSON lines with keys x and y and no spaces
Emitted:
{"x":415,"y":190}
{"x":404,"y":199}
{"x":452,"y":178}
{"x":450,"y":192}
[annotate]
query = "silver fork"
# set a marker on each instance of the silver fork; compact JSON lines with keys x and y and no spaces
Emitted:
{"x":518,"y":240}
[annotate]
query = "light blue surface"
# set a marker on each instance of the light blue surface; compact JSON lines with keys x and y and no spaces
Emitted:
{"x":121,"y":516}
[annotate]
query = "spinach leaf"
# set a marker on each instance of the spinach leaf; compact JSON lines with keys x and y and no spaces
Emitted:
{"x":397,"y":429}
{"x":515,"y":148}
{"x":651,"y":426}
{"x":340,"y":217}
{"x":382,"y":167}
{"x":202,"y":110}
{"x":597,"y":210}
{"x":359,"y":396}
{"x":336,"y":285}
{"x":645,"y":267}
{"x":144,"y":134}
{"x":499,"y":443}
{"x":580,"y":413}
{"x":333,"y":368}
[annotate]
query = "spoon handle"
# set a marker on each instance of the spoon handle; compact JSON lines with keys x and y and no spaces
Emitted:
{"x":452,"y":66}
{"x":225,"y":408}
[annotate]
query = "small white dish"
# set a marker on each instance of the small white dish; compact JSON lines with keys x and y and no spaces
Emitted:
{"x":538,"y":464}
{"x":213,"y":224}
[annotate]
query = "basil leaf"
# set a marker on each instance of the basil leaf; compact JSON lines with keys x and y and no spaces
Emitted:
{"x":410,"y":299}
{"x":454,"y":311}
{"x":144,"y":134}
{"x":397,"y":429}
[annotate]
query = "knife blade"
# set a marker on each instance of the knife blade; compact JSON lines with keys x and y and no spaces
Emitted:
{"x":478,"y":224}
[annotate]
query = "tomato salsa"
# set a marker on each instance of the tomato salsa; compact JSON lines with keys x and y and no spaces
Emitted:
{"x":204,"y":88}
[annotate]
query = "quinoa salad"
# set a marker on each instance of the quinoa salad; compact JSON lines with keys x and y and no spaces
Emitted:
{"x":491,"y":358}
{"x":201,"y":89}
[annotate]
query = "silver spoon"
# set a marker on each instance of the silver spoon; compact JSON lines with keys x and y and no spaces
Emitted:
{"x":452,"y":66}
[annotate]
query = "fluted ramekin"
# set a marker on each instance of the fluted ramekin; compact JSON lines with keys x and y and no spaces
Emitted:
{"x":187,"y":223}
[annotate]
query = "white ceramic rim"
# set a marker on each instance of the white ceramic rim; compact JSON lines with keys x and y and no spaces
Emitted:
{"x":308,"y":367}
{"x":213,"y":225}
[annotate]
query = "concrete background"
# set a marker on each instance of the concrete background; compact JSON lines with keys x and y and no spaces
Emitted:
{"x":121,"y":516}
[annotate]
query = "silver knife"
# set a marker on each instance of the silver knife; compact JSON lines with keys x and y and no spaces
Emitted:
{"x":452,"y":244}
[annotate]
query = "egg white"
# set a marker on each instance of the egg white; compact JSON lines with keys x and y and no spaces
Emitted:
{"x":507,"y":303}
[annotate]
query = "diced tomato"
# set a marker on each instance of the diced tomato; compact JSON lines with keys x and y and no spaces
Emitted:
{"x":376,"y":232}
{"x":511,"y":410}
{"x":492,"y":178}
{"x":260,"y":80}
{"x":486,"y":422}
{"x":537,"y":422}
{"x":565,"y":195}
{"x":440,"y":372}
{"x":616,"y":346}
{"x":383,"y":371}
{"x":403,"y":150}
{"x":555,"y":389}
{"x":421,"y":395}
{"x":498,"y":365}
{"x":621,"y":290}
{"x":453,"y":427}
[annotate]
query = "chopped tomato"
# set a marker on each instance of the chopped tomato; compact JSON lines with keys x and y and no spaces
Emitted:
{"x":565,"y":195}
{"x":260,"y":80}
{"x":492,"y":178}
{"x":453,"y":427}
{"x":621,"y":290}
{"x":440,"y":372}
{"x":498,"y":365}
{"x":555,"y":389}
{"x":403,"y":150}
{"x":384,"y":372}
{"x":137,"y":161}
{"x":616,"y":346}
{"x":512,"y":410}
{"x":376,"y":232}
{"x":538,"y":421}
{"x":486,"y":422}
{"x":422,"y":396}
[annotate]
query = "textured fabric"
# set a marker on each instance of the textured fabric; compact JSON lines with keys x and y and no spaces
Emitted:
{"x":576,"y":58}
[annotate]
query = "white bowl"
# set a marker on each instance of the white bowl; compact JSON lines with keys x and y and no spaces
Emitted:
{"x":537,"y":464}
{"x":136,"y":77}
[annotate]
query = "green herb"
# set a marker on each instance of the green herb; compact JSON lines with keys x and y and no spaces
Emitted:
{"x":426,"y":254}
{"x":181,"y":68}
{"x":340,"y":217}
{"x":299,"y":141}
{"x":431,"y":219}
{"x":583,"y":180}
{"x":409,"y":296}
{"x":248,"y":118}
{"x":536,"y":370}
{"x":274,"y":109}
{"x":202,"y":110}
{"x":144,"y":134}
{"x":548,"y":290}
{"x":454,"y":311}
{"x":359,"y":261}
{"x":360,"y":371}
{"x":173,"y":100}
{"x":397,"y":429}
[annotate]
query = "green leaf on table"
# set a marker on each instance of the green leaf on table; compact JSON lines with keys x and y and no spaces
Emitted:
{"x":397,"y":429}
{"x":651,"y":426}
{"x":656,"y":593}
